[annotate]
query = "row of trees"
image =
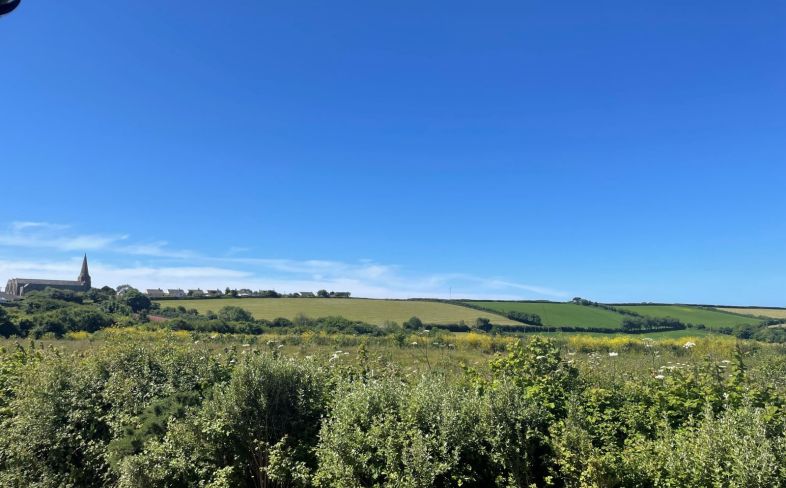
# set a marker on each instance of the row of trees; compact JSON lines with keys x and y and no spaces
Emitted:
{"x":589,"y":303}
{"x":56,"y":312}
{"x":639,"y":323}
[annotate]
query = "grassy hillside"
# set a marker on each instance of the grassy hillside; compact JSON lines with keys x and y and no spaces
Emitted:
{"x":775,"y":313}
{"x":369,"y":311}
{"x":560,"y":314}
{"x":713,"y":319}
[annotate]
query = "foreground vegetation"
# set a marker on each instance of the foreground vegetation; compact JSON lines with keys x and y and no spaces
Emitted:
{"x":135,"y":408}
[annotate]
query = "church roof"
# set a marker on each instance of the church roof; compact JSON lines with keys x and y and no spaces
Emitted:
{"x":30,"y":281}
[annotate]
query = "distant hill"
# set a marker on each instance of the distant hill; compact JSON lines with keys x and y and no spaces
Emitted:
{"x":555,"y":314}
{"x":552,"y":314}
{"x":711,"y":318}
{"x":367,"y":310}
{"x":775,"y":313}
{"x":569,"y":314}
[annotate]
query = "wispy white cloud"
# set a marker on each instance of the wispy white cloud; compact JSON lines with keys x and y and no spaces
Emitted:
{"x":54,"y":236}
{"x":165,"y":267}
{"x":61,"y":237}
{"x":20,"y":226}
{"x":151,"y":276}
{"x":158,"y":249}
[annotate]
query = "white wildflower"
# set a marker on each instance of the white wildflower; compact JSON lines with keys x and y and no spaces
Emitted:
{"x":689,"y":344}
{"x":659,"y":376}
{"x":613,"y":354}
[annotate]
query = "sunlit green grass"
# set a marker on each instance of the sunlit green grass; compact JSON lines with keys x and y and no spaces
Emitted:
{"x":370,"y":311}
{"x":713,"y":319}
{"x":560,"y":314}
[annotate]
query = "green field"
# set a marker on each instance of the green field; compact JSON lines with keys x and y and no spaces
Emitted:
{"x":560,"y":314}
{"x":370,"y":311}
{"x":713,"y":319}
{"x":775,"y":313}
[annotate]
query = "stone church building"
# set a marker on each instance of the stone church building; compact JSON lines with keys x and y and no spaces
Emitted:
{"x":21,"y":286}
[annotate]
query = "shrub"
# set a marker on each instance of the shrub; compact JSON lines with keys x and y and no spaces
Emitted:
{"x":270,"y":409}
{"x":731,"y":450}
{"x":384,"y":433}
{"x":413,"y":323}
{"x":235,"y":314}
{"x":136,"y":300}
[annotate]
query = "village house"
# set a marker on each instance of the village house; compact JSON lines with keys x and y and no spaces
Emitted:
{"x":155,"y":293}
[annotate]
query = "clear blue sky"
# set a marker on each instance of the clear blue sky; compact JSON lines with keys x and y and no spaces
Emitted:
{"x":616,"y":150}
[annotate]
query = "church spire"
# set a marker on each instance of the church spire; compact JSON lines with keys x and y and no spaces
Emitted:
{"x":84,"y":275}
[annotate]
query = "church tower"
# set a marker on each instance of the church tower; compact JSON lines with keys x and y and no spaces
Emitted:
{"x":84,"y":276}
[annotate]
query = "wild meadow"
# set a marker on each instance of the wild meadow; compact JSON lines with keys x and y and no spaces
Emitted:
{"x":130,"y":407}
{"x":110,"y":391}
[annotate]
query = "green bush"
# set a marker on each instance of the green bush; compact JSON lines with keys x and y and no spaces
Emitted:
{"x":269,"y":410}
{"x":385,"y":433}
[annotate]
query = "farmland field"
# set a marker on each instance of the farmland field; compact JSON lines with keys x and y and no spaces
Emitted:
{"x":776,"y":313}
{"x":370,"y":311}
{"x":713,"y":319}
{"x":560,"y":314}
